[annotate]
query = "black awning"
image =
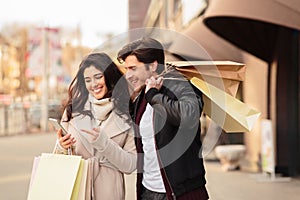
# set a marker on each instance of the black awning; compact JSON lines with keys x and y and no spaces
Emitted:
{"x":253,"y":25}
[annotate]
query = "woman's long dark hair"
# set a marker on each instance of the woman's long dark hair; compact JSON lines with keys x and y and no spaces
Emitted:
{"x":114,"y":80}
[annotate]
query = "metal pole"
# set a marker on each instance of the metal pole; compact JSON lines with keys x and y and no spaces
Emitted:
{"x":1,"y":67}
{"x":6,"y":119}
{"x":45,"y":82}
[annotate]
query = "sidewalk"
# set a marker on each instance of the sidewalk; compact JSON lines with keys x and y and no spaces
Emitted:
{"x":239,"y":185}
{"x":17,"y":153}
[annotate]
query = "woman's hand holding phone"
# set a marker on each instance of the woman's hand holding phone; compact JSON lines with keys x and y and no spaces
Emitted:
{"x":66,"y":141}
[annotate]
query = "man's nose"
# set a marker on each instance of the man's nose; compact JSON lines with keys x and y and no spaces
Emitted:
{"x":128,"y":74}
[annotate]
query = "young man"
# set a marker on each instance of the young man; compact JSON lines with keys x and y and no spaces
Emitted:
{"x":166,"y":111}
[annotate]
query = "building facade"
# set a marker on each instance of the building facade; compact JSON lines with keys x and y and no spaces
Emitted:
{"x":272,"y":76}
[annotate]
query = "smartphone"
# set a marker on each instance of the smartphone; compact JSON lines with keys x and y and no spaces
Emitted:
{"x":57,"y":125}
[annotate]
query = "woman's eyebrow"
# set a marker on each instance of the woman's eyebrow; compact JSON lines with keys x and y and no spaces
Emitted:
{"x":100,"y":73}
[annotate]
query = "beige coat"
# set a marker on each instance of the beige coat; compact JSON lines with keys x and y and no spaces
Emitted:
{"x":111,"y":154}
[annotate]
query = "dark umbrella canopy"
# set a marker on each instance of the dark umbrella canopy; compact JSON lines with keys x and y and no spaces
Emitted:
{"x":206,"y":45}
{"x":253,"y":25}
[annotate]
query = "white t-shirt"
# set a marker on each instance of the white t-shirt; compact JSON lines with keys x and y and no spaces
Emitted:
{"x":152,"y":178}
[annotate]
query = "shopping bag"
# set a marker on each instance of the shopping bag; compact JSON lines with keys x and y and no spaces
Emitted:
{"x":82,"y":186}
{"x":228,"y":112}
{"x":33,"y":171}
{"x":59,"y":177}
{"x":225,"y":75}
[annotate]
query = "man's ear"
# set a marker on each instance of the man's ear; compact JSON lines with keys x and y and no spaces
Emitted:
{"x":153,"y":66}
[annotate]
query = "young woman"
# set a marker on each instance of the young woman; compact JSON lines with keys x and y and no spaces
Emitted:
{"x":98,"y":125}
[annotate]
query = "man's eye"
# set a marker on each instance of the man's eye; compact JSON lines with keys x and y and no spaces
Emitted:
{"x":130,"y":68}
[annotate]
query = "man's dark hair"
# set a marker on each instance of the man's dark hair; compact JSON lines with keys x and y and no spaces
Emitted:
{"x":146,"y":50}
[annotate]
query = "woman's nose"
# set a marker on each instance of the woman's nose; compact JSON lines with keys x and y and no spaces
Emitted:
{"x":94,"y":83}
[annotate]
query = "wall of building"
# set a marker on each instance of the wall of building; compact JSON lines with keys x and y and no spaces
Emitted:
{"x":255,"y":95}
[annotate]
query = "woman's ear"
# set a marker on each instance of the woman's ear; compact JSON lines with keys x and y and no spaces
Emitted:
{"x":153,"y":66}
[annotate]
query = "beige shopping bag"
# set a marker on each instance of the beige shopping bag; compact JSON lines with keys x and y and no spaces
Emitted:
{"x":81,"y":186}
{"x":228,"y":112}
{"x":225,"y":75}
{"x":33,"y":171}
{"x":59,"y":177}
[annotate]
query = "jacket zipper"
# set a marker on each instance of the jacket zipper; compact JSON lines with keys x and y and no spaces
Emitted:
{"x":160,"y":165}
{"x":159,"y":160}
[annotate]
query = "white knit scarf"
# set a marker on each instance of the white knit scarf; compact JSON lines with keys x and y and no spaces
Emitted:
{"x":100,"y":108}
